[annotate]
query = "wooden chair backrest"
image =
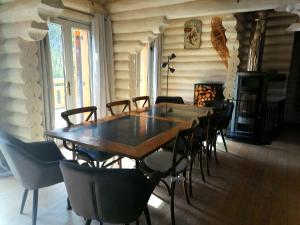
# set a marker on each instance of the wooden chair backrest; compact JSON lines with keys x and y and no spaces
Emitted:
{"x":146,"y":100}
{"x":111,"y":105}
{"x":92,"y":110}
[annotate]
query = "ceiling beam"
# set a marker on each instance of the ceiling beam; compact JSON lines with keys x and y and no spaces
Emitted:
{"x":129,"y":5}
{"x":200,"y":8}
{"x":28,"y":10}
{"x":153,"y":24}
{"x":87,"y":6}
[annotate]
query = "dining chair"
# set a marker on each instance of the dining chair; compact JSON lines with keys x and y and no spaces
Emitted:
{"x":34,"y":165}
{"x":215,"y":104}
{"x":169,"y":99}
{"x":145,"y":99}
{"x":4,"y":168}
{"x":117,"y":196}
{"x":224,"y":120}
{"x":206,"y":137}
{"x":203,"y":139}
{"x":80,"y":152}
{"x":173,"y":164}
{"x":122,"y":103}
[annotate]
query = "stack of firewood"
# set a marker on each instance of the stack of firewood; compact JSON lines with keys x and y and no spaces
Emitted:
{"x":204,"y":94}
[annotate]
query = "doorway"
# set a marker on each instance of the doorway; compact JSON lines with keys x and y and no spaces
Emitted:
{"x":71,"y":71}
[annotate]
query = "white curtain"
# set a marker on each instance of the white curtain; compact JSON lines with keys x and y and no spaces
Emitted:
{"x":47,"y":83}
{"x":157,"y":66}
{"x":102,"y":63}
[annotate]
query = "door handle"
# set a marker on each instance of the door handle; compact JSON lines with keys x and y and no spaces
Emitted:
{"x":68,"y":88}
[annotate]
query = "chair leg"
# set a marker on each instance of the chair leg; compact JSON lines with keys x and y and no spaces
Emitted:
{"x":185,"y":188}
{"x":173,"y":184}
{"x":210,"y":148}
{"x":207,"y":158}
{"x":137,"y":222}
{"x":167,"y":186}
{"x":224,"y":142}
{"x":190,"y":175}
{"x":69,"y":207}
{"x":35,"y":206}
{"x":201,"y":164}
{"x":215,"y":150}
{"x":100,"y":222}
{"x":88,"y":222}
{"x":147,"y":215}
{"x":23,"y":200}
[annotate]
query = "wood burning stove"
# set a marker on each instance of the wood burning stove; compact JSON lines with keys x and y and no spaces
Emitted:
{"x":259,"y":105}
{"x":258,"y":96}
{"x":204,"y":92}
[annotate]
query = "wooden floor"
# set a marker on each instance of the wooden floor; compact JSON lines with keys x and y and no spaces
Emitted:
{"x":252,"y":185}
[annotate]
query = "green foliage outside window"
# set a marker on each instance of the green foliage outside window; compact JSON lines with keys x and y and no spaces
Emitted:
{"x":56,"y":47}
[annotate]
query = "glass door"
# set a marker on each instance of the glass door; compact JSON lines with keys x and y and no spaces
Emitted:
{"x":81,"y":66}
{"x":70,"y":55}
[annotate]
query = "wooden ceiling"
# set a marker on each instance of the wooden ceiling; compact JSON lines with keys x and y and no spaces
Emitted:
{"x":121,"y":10}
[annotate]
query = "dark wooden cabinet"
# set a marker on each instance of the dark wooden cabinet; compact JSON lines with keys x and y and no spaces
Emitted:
{"x":259,"y":102}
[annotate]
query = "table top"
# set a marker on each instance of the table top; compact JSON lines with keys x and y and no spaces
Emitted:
{"x":135,"y":134}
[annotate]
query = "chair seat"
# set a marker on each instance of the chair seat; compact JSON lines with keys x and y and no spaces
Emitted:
{"x":162,"y":161}
{"x":93,"y":154}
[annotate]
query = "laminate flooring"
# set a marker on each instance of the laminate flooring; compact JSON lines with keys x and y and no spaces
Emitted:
{"x":252,"y":185}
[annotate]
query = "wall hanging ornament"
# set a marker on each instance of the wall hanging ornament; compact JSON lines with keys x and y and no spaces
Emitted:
{"x":192,"y":34}
{"x":218,"y":39}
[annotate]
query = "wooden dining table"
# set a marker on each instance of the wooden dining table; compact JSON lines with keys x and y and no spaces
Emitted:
{"x":135,"y":134}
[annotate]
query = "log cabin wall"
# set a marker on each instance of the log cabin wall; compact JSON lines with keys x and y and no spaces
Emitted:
{"x":137,"y":22}
{"x":278,"y":42}
{"x":21,"y":107}
{"x":199,"y":65}
{"x":277,"y":51}
{"x":130,"y":37}
{"x":22,"y":25}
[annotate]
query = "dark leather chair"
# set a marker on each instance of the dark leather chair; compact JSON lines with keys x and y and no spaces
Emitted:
{"x":224,"y":110}
{"x":35,"y":165}
{"x":216,"y":104}
{"x":224,"y":120}
{"x":145,"y":100}
{"x":124,"y":103}
{"x":206,"y":137}
{"x":116,"y":196}
{"x":169,"y":99}
{"x":173,"y":164}
{"x":80,"y":152}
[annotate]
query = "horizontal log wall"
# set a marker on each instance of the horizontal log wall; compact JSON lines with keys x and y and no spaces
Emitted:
{"x":22,"y":23}
{"x":278,"y":53}
{"x":130,"y":37}
{"x":199,"y":65}
{"x":125,"y":79}
{"x":20,"y":93}
{"x":278,"y":42}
